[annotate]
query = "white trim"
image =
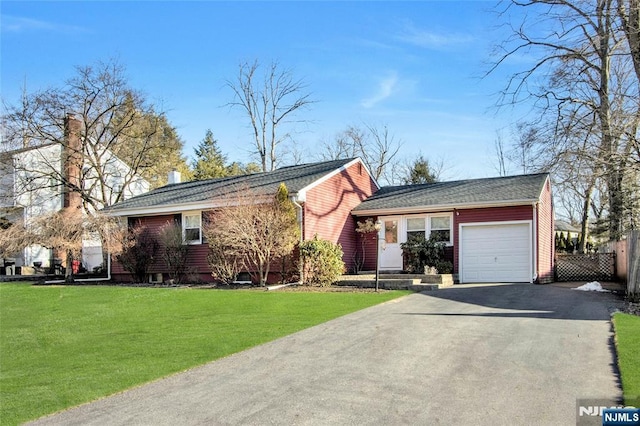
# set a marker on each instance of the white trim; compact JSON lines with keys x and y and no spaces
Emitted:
{"x":534,"y":236}
{"x":160,"y":210}
{"x":441,"y":207}
{"x":184,"y":227}
{"x":300,"y":197}
{"x":302,"y":193}
{"x":401,"y":236}
{"x":402,"y":228}
{"x":496,"y":223}
{"x":178,"y":208}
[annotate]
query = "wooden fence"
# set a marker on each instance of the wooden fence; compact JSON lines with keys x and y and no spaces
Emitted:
{"x":627,"y":261}
{"x":633,"y":264}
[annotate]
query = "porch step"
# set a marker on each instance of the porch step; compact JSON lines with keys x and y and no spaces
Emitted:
{"x":414,"y":282}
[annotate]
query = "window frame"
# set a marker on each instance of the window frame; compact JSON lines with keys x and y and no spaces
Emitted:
{"x":450,"y":229}
{"x":416,"y":230}
{"x":197,"y":214}
{"x":427,"y":225}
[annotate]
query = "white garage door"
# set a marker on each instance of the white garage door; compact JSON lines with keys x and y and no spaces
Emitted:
{"x":496,"y":253}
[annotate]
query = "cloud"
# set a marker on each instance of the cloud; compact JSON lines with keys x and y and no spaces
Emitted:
{"x":386,"y":87}
{"x":432,"y":40}
{"x":18,"y":24}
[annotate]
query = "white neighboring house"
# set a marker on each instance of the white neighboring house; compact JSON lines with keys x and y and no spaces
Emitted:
{"x":30,"y":185}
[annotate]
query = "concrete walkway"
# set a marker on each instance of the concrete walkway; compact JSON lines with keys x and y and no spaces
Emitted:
{"x":472,"y":354}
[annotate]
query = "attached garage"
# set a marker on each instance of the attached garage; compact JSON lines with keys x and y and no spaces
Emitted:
{"x":497,"y":229}
{"x":496,"y":252}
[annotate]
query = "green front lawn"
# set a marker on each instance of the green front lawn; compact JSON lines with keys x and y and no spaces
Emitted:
{"x":62,"y":346}
{"x":627,"y":329}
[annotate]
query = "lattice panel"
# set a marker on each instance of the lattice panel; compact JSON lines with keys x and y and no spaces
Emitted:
{"x":586,"y":267}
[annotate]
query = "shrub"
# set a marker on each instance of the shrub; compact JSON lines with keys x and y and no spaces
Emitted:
{"x":139,"y":250}
{"x":420,"y":253}
{"x":322,"y":262}
{"x":225,"y":264}
{"x":444,"y":267}
{"x":259,"y":232}
{"x":174,"y":250}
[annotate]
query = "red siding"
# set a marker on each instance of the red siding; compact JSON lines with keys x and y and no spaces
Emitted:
{"x":197,"y":264}
{"x":326,"y":212}
{"x":544,"y":211}
{"x":327,"y":209}
{"x":490,"y":214}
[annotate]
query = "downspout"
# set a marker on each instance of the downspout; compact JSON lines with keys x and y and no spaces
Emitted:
{"x":299,"y":208}
{"x":535,"y":241}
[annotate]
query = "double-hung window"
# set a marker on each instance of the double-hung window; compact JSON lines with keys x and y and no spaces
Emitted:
{"x":192,"y":228}
{"x":440,"y":228}
{"x":415,"y":227}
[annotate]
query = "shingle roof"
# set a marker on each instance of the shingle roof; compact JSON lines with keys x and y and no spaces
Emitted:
{"x":561,"y":225}
{"x":294,"y":177}
{"x":485,"y":191}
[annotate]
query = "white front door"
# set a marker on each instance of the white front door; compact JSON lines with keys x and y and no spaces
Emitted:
{"x":389,"y":244}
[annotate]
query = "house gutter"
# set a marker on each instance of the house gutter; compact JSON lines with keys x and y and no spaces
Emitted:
{"x":535,"y":242}
{"x":157,"y":210}
{"x":438,"y":208}
{"x":295,"y":200}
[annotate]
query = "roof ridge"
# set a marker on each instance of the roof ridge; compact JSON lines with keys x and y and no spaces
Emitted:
{"x":516,"y":188}
{"x":467,"y":180}
{"x":296,"y":177}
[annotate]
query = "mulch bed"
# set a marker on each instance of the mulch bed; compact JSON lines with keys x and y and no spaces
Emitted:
{"x":331,"y":289}
{"x":205,"y":286}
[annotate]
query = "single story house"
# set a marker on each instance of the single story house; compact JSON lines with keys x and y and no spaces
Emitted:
{"x":324,"y":193}
{"x":495,"y":229}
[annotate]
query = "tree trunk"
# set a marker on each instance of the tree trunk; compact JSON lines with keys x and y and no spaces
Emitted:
{"x":616,"y":205}
{"x":584,"y":235}
{"x":68,"y":273}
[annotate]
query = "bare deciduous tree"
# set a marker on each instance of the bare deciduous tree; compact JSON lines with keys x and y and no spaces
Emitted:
{"x":139,"y":249}
{"x":117,"y":127}
{"x":257,"y":229}
{"x":174,"y":250}
{"x":376,"y":145}
{"x":580,"y":84}
{"x":270,"y":100}
{"x":63,"y":232}
{"x":500,"y":152}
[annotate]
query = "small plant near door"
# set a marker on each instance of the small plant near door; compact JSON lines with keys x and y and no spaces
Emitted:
{"x":424,"y":256}
{"x":366,"y":231}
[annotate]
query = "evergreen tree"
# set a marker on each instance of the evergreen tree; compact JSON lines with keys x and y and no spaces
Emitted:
{"x":210,"y":162}
{"x":420,"y":172}
{"x":236,"y":168}
{"x":150,"y":143}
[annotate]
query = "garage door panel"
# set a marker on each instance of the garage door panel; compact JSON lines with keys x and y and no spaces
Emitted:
{"x":496,"y":253}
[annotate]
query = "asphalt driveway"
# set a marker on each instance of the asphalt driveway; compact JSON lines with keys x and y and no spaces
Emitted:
{"x":473,"y":354}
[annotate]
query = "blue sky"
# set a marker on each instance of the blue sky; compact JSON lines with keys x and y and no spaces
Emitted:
{"x":414,"y":66}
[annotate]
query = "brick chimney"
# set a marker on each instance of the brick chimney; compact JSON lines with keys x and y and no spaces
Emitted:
{"x":72,"y":161}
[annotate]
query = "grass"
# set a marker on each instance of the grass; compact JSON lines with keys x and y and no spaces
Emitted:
{"x":627,"y":329}
{"x":62,"y":346}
